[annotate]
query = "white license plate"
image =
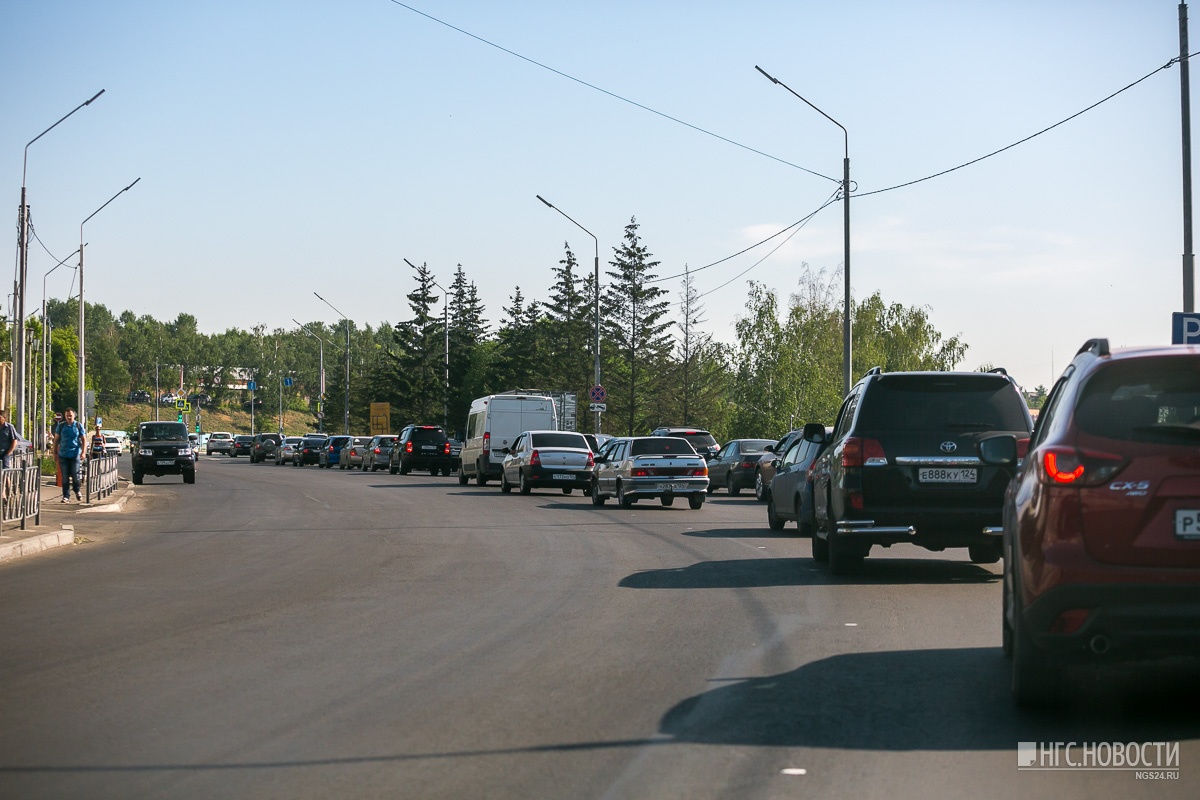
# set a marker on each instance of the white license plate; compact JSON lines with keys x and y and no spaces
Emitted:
{"x":428,"y":447}
{"x":1187,"y":523}
{"x":947,"y":475}
{"x":562,"y":476}
{"x":671,"y":487}
{"x":166,"y":462}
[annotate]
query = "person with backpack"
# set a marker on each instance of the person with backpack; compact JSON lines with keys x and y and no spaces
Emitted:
{"x":97,"y":443}
{"x":69,"y":449}
{"x":8,"y":440}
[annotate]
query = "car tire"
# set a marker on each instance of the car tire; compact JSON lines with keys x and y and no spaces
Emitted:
{"x":232,"y":455}
{"x":505,"y":486}
{"x":731,"y":486}
{"x":462,"y":478}
{"x":480,"y":477}
{"x":374,"y":467}
{"x":392,"y":469}
{"x":774,"y":521}
{"x":666,"y":501}
{"x":624,"y":500}
{"x":820,"y":549}
{"x":137,"y":478}
{"x":403,"y":469}
{"x":762,"y":492}
{"x":710,"y":488}
{"x":189,"y":476}
{"x":446,"y":471}
{"x":566,"y":490}
{"x":1035,"y":679}
{"x":695,"y":501}
{"x":597,"y":498}
{"x":525,"y":487}
{"x":985,"y":553}
{"x":845,"y":557}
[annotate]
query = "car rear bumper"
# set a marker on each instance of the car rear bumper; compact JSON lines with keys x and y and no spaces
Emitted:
{"x":1123,"y":621}
{"x":427,"y":462}
{"x":551,"y":477}
{"x":663,"y":487}
{"x":933,"y":530}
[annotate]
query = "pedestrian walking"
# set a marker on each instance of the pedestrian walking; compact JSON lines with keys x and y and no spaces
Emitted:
{"x":9,"y":438}
{"x":97,"y":443}
{"x":68,"y":449}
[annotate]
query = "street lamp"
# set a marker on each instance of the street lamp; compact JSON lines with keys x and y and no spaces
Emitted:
{"x":321,"y":347}
{"x":597,"y":309}
{"x":81,"y":304}
{"x":446,"y":352}
{"x":347,"y":321}
{"x":23,"y":268}
{"x":46,"y":349}
{"x":846,"y":199}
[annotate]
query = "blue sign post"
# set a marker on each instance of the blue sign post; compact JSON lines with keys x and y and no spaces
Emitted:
{"x":1185,"y":328}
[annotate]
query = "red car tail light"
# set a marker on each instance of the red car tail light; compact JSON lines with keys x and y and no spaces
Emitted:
{"x":591,"y":462}
{"x":748,"y":464}
{"x":376,"y":451}
{"x":1068,"y":466}
{"x":446,"y":449}
{"x":535,"y":460}
{"x":408,"y":447}
{"x":487,"y":442}
{"x":700,"y":472}
{"x":859,"y":452}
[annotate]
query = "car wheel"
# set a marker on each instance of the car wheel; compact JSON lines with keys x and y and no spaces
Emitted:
{"x":480,"y":478}
{"x":731,"y":487}
{"x":566,"y":489}
{"x":845,"y":557}
{"x":446,"y":471}
{"x":1035,"y":679}
{"x":986,"y":553}
{"x":137,"y":478}
{"x":525,"y":487}
{"x":189,"y":476}
{"x":775,"y":521}
{"x":374,"y":467}
{"x":761,"y":490}
{"x":505,"y":486}
{"x":233,"y":455}
{"x":695,"y":501}
{"x":624,"y":500}
{"x":597,"y":498}
{"x":462,"y":478}
{"x":404,"y":470}
{"x":1006,"y":609}
{"x":393,"y":469}
{"x":667,"y":501}
{"x":710,"y":488}
{"x":820,"y":549}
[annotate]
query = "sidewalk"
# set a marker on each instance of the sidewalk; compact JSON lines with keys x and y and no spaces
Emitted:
{"x":58,"y":520}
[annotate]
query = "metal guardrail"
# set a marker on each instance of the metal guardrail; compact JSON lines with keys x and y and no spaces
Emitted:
{"x":21,"y":490}
{"x":101,"y":476}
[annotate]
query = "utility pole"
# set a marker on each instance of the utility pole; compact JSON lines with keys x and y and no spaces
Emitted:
{"x":1189,"y":258}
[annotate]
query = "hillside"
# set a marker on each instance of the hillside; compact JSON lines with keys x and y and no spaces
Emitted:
{"x":126,"y":416}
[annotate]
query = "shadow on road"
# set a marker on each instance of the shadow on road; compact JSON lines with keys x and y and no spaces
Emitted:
{"x":950,"y":700}
{"x":756,"y":572}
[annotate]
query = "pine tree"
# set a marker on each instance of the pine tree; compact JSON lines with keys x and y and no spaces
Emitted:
{"x":569,"y":330}
{"x":419,"y":342}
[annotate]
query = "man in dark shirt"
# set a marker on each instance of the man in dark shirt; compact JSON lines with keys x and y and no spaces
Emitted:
{"x":8,"y":440}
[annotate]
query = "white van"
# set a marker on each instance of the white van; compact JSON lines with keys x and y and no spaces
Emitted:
{"x":493,"y":423}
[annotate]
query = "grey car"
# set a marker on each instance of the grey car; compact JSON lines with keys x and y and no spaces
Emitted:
{"x":352,"y":454}
{"x":379,"y":450}
{"x":551,"y":459}
{"x":287,"y":451}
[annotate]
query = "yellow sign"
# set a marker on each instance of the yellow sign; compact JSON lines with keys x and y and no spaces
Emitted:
{"x":381,"y":418}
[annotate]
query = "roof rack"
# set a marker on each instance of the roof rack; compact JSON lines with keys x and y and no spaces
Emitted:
{"x":999,"y":371}
{"x":874,"y":371}
{"x":1097,"y":346}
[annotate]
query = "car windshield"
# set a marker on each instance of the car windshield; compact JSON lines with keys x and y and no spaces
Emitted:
{"x":1149,"y":400}
{"x":756,"y":445}
{"x":662,"y":446}
{"x":560,"y":440}
{"x":164,"y":432}
{"x":940,"y":403}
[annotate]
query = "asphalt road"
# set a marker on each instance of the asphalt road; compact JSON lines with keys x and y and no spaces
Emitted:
{"x":305,"y":633}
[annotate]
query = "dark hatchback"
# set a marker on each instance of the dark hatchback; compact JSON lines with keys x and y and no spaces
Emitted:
{"x":733,"y":468}
{"x":308,"y":451}
{"x":242,"y":446}
{"x":163,"y":448}
{"x":421,"y":447}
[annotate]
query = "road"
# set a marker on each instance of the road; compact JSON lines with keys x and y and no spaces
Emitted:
{"x":305,"y":633}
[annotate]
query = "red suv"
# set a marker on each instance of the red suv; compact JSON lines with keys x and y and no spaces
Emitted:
{"x":1102,"y":518}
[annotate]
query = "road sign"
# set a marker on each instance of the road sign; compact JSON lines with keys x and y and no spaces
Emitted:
{"x":598,"y":407}
{"x":251,"y":385}
{"x":180,"y":403}
{"x":1185,"y":328}
{"x":597,"y":394}
{"x":287,"y":381}
{"x":320,"y":415}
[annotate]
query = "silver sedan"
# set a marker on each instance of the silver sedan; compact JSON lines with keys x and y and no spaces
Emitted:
{"x":556,"y":459}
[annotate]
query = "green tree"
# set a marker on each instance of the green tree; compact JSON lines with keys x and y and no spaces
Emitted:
{"x":419,"y":344}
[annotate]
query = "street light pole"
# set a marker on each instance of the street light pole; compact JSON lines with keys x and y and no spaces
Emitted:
{"x":81,"y":303}
{"x":446,"y":349}
{"x":595,"y":241}
{"x":846,"y":344}
{"x":321,"y":347}
{"x":46,"y":348}
{"x":347,"y":321}
{"x":23,"y":269}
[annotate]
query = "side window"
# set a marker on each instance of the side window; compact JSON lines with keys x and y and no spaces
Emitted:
{"x":846,"y":415}
{"x":1050,"y":408}
{"x":725,"y":451}
{"x":793,"y":454}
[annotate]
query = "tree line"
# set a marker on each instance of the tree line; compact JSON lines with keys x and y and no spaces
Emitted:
{"x":658,"y":363}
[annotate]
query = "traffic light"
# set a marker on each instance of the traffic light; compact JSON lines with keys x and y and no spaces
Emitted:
{"x":179,"y":417}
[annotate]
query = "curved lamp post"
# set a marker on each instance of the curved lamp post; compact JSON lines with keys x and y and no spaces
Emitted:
{"x":596,"y":241}
{"x":46,"y":350}
{"x":846,"y":347}
{"x":82,"y":369}
{"x":347,"y":321}
{"x":23,"y":269}
{"x":321,"y":347}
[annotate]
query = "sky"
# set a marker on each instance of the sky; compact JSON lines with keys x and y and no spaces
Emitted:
{"x":283,"y":148}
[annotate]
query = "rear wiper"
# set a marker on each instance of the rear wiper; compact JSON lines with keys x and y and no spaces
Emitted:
{"x":976,"y":426}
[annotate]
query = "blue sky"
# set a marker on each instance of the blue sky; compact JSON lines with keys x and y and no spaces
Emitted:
{"x":286,"y":147}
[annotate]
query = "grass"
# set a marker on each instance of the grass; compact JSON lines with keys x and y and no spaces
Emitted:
{"x":126,"y":416}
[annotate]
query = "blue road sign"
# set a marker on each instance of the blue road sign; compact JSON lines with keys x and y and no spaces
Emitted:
{"x":252,"y":386}
{"x":287,"y":381}
{"x":1185,"y":328}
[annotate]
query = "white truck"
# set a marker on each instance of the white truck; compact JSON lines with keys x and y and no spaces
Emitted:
{"x":493,"y":424}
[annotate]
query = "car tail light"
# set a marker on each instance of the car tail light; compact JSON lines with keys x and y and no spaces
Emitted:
{"x":535,"y":460}
{"x":700,"y":472}
{"x":376,"y":451}
{"x":487,"y":442}
{"x":748,"y":464}
{"x":591,"y":462}
{"x":1067,"y":466}
{"x":408,"y":447}
{"x":862,"y":452}
{"x":640,"y":472}
{"x":446,"y":448}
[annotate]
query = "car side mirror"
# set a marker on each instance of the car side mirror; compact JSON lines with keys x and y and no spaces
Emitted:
{"x":775,"y":464}
{"x":999,"y":450}
{"x":814,"y":432}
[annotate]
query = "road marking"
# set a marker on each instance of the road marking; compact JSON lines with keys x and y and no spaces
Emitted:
{"x":794,"y":771}
{"x":851,"y":624}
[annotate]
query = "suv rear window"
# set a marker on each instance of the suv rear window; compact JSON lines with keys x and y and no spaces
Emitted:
{"x":559,"y":440}
{"x":940,"y":403}
{"x":663,"y":446}
{"x":428,"y":435}
{"x":1147,"y":400}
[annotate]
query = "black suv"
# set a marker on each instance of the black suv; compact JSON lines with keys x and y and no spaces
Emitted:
{"x":701,"y":440}
{"x":163,"y":448}
{"x":421,"y":447}
{"x":901,"y":465}
{"x":264,"y":446}
{"x":308,"y":451}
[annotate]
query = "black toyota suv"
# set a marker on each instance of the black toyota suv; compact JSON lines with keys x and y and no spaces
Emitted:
{"x":421,"y":447}
{"x":901,"y":465}
{"x":264,"y":446}
{"x":162,"y":448}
